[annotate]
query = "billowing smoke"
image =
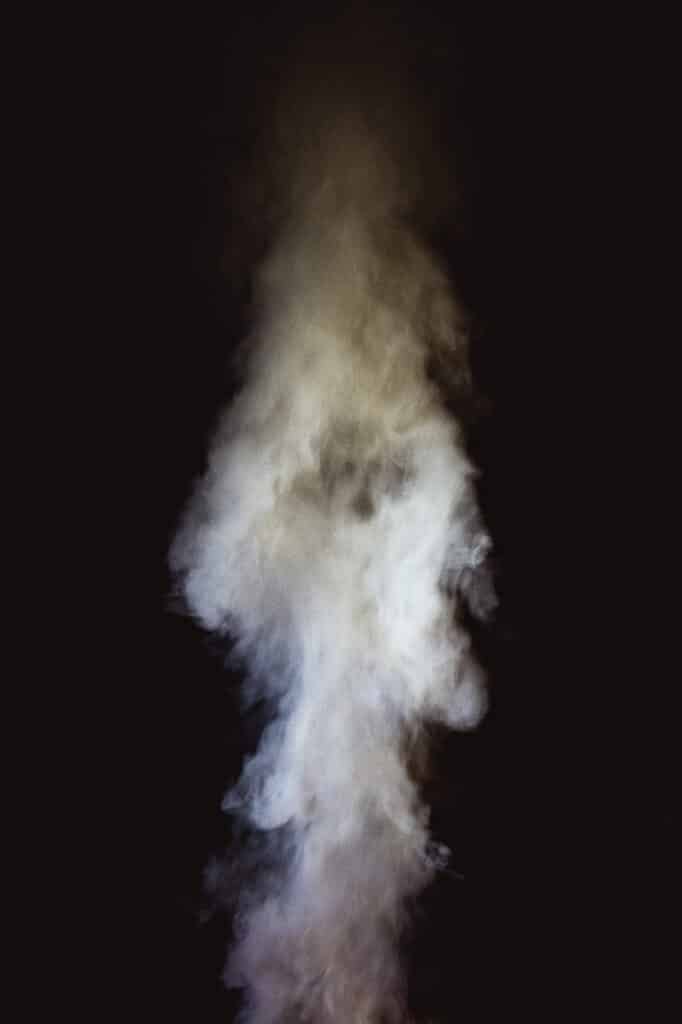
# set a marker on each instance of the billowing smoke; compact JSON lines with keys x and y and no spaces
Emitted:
{"x":335,"y":537}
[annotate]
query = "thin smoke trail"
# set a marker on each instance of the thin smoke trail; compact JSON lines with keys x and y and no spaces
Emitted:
{"x":335,"y":536}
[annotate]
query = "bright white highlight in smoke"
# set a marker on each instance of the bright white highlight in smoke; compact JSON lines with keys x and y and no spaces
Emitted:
{"x":334,"y":534}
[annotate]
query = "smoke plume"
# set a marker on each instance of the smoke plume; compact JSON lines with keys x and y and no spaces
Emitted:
{"x":335,"y":537}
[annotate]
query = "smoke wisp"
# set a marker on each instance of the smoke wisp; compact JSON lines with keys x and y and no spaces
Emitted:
{"x":335,"y":537}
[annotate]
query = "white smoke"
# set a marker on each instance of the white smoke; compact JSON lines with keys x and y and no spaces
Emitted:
{"x":334,"y":535}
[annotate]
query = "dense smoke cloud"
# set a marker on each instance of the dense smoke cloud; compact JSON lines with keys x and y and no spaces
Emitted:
{"x":335,"y":537}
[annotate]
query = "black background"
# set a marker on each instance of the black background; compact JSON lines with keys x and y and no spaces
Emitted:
{"x":559,"y":808}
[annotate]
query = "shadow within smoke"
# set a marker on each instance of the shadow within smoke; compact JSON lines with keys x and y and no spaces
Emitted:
{"x":336,"y":538}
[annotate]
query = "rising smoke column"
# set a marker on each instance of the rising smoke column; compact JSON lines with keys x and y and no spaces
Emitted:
{"x":334,"y":536}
